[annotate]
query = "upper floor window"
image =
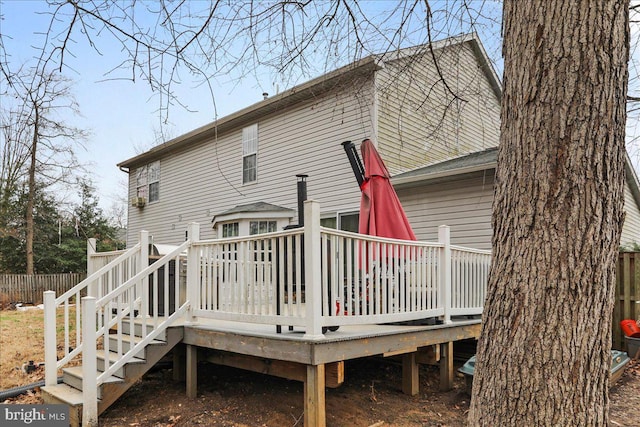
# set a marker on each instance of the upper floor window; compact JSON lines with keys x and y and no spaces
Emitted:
{"x":249,"y":153}
{"x":148,"y":182}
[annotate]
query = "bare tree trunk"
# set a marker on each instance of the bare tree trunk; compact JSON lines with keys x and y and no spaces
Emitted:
{"x":32,"y":195}
{"x":544,"y":353}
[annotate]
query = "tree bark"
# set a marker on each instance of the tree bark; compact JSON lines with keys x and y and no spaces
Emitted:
{"x":32,"y":195}
{"x":544,"y":353}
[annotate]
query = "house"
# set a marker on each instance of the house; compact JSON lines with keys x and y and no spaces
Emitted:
{"x":238,"y":173}
{"x":459,"y":192}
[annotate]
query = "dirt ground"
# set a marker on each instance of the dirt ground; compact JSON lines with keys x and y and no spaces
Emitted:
{"x":370,"y":396}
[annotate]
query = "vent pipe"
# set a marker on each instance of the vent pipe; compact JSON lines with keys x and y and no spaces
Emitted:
{"x":302,"y":197}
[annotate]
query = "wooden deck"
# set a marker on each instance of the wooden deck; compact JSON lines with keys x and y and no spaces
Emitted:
{"x":224,"y":298}
{"x":319,"y":363}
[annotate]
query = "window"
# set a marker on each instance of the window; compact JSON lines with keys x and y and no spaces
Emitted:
{"x":230,"y":229}
{"x":148,"y":182}
{"x":260,"y":227}
{"x":347,"y":221}
{"x":249,"y":153}
{"x":154,"y":181}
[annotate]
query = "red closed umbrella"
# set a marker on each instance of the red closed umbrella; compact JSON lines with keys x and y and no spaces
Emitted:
{"x":381,"y":213}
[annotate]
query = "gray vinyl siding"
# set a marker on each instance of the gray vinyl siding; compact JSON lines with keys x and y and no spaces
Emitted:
{"x":631,"y":226}
{"x":206,"y":179}
{"x":420,"y":122}
{"x":463,"y":203}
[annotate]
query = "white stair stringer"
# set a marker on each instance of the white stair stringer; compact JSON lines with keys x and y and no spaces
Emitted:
{"x":69,"y":392}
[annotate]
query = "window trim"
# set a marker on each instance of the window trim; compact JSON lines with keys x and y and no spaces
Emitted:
{"x":144,"y":182}
{"x":248,"y":151}
{"x":231,"y":224}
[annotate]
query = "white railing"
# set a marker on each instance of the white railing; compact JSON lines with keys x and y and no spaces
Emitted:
{"x":114,"y":321}
{"x":319,"y":278}
{"x":97,"y":260}
{"x":312,"y":277}
{"x":158,"y":305}
{"x":469,"y":277}
{"x":96,"y":285}
{"x":124,"y":296}
{"x":374,"y":280}
{"x":255,"y":279}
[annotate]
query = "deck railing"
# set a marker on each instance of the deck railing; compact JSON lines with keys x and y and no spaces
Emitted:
{"x":320,"y":278}
{"x":312,"y":277}
{"x":97,"y":260}
{"x":125,"y":295}
{"x":469,"y":277}
{"x":97,"y":284}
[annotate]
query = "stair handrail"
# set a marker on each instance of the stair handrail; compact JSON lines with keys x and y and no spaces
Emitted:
{"x":93,"y":276}
{"x":51,"y":304}
{"x":158,"y":325}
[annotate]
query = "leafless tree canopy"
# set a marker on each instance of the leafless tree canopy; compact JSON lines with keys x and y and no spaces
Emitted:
{"x":168,"y":42}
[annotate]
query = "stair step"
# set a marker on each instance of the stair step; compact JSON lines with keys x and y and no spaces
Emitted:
{"x":129,"y":342}
{"x":137,"y":328}
{"x":73,"y":377}
{"x":62,"y":393}
{"x":113,"y":358}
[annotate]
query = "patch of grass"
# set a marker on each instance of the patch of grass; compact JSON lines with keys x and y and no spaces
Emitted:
{"x":22,"y":340}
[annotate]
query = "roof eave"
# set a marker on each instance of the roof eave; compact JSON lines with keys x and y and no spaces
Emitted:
{"x":251,"y":113}
{"x":409,"y":180}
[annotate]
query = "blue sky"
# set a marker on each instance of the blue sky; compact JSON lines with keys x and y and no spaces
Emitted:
{"x":121,"y":116}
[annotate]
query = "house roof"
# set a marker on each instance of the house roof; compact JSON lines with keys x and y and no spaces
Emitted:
{"x":480,"y":160}
{"x":307,"y":91}
{"x":253,"y":210}
{"x":483,"y":160}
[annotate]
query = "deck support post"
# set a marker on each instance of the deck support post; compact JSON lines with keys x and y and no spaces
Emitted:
{"x":446,"y":366}
{"x":444,"y":237}
{"x":179,"y":362}
{"x":192,"y":371}
{"x":313,"y":270}
{"x":193,"y":271}
{"x":314,"y":399}
{"x":410,"y":374}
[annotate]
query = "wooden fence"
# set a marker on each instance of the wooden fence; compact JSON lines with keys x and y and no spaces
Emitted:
{"x":627,"y":303}
{"x":25,"y":288}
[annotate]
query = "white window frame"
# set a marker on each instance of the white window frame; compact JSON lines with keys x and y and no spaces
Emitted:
{"x":231,"y":229}
{"x":250,"y":150}
{"x":270,"y":225}
{"x":338,"y":216}
{"x":146,"y":176}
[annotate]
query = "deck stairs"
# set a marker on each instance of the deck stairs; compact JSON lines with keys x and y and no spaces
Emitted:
{"x":69,"y":392}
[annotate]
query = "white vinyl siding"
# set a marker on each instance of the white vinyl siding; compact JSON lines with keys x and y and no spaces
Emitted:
{"x":204,"y":180}
{"x":631,"y":226}
{"x":250,"y":154}
{"x":463,"y":203}
{"x":421,"y":122}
